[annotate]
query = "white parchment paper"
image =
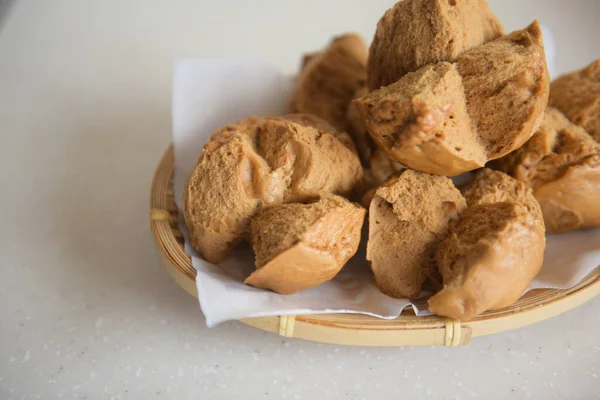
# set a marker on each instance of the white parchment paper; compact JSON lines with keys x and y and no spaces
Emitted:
{"x":210,"y":93}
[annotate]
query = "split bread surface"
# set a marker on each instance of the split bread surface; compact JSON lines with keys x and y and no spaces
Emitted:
{"x":300,"y":246}
{"x":449,"y":118}
{"x":493,"y":251}
{"x":258,"y":161}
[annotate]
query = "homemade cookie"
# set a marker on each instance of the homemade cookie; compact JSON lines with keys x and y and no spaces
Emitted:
{"x":488,"y":259}
{"x":577,"y":95}
{"x":300,"y":246}
{"x":415,"y":33}
{"x":262,"y":161}
{"x":408,"y":218}
{"x":561,"y":163}
{"x":449,"y":118}
{"x":328,"y":80}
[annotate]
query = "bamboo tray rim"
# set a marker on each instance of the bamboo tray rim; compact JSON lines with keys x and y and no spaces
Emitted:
{"x":358,"y":329}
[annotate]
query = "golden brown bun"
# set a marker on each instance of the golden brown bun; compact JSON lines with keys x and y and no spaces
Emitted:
{"x":488,"y":259}
{"x":220,"y":196}
{"x":561,"y":163}
{"x":449,"y":118}
{"x":328,"y":80}
{"x":506,"y":84}
{"x":577,"y":95}
{"x":262,"y":161}
{"x":408,"y":218}
{"x":415,"y":33}
{"x":422,"y":122}
{"x":300,"y":246}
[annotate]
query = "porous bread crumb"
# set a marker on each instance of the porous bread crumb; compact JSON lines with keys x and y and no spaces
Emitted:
{"x":422,"y":122}
{"x":299,"y":246}
{"x":415,"y":33}
{"x":488,"y":259}
{"x":408,"y":218}
{"x":489,"y":186}
{"x":506,"y":84}
{"x":262,"y":161}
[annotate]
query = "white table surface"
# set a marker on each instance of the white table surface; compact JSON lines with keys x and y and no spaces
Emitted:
{"x":85,"y":310}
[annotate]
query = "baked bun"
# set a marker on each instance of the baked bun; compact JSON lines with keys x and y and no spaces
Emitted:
{"x":449,"y":118}
{"x":328,"y":80}
{"x":561,"y":163}
{"x":408,"y":218}
{"x":488,"y":259}
{"x":490,"y":186}
{"x":262,"y":161}
{"x":300,"y":246}
{"x":493,"y":251}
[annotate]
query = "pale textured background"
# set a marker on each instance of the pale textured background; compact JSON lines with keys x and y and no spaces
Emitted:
{"x":85,"y":311}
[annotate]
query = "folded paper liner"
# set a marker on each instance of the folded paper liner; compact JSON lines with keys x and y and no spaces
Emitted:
{"x":208,"y":94}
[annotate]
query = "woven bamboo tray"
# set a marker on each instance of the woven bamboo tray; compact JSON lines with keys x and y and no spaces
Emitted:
{"x":354,"y":329}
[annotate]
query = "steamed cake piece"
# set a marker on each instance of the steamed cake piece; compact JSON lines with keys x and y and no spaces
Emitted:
{"x":415,"y":33}
{"x":449,"y":118}
{"x":329,"y":79}
{"x":226,"y":187}
{"x":489,"y":258}
{"x":493,"y":251}
{"x":577,"y":95}
{"x":506,"y":83}
{"x":422,"y":121}
{"x":408,"y":219}
{"x":561,"y":163}
{"x":300,"y":246}
{"x":262,"y":161}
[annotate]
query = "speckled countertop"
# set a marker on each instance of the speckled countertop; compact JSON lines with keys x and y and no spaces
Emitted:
{"x":86,"y":312}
